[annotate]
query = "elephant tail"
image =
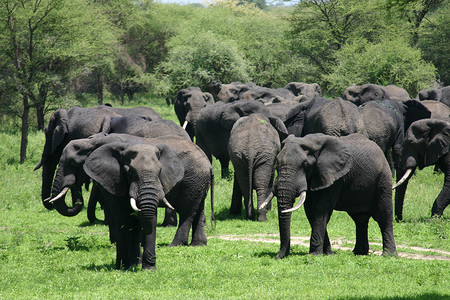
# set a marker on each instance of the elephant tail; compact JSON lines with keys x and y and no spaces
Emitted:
{"x":213,"y":219}
{"x":250,"y":185}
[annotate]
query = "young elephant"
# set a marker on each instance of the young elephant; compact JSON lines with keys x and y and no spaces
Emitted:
{"x":329,"y":173}
{"x":253,"y":146}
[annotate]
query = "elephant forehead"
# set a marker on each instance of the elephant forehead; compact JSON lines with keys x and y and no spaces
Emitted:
{"x":141,"y":154}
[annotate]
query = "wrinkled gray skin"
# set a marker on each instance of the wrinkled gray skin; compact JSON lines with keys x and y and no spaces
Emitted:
{"x":427,"y":143}
{"x":335,"y":174}
{"x":76,"y":123}
{"x":141,"y":127}
{"x":309,"y":90}
{"x":436,"y":94}
{"x":233,"y":91}
{"x":360,"y":94}
{"x":438,"y":109}
{"x":174,"y":167}
{"x":253,"y":146}
{"x":214,"y":124}
{"x":188,"y":104}
{"x":322,"y":115}
{"x":268,"y":95}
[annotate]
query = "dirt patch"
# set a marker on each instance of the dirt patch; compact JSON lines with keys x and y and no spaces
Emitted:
{"x":338,"y":244}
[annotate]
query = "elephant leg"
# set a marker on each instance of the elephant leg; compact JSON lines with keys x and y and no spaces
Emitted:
{"x":94,"y":198}
{"x":443,"y":199}
{"x":224,"y":164}
{"x":327,"y":244}
{"x":198,"y":227}
{"x":262,"y":195}
{"x":170,"y":218}
{"x":362,"y":242}
{"x":181,"y":237}
{"x":400,"y":195}
{"x":236,"y":198}
{"x":149,"y":245}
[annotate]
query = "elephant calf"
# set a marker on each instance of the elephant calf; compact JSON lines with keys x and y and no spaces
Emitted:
{"x":254,"y":143}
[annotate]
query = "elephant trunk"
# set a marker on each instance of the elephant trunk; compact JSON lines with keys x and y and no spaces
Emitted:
{"x":48,"y":171}
{"x":60,"y":204}
{"x":147,"y":204}
{"x":285,"y":199}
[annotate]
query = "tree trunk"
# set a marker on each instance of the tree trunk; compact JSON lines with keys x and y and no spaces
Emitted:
{"x":99,"y":88}
{"x":24,"y":139}
{"x":40,"y":115}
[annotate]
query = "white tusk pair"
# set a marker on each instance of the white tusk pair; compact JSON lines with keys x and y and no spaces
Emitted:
{"x":135,"y":208}
{"x":185,"y":125}
{"x":403,"y":179}
{"x":60,"y":195}
{"x":300,"y":203}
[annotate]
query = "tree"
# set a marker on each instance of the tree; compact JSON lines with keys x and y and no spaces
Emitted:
{"x":45,"y":43}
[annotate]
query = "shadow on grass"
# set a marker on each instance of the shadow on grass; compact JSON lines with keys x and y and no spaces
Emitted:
{"x":274,"y":254}
{"x":100,"y":267}
{"x":89,"y":224}
{"x":224,"y":214}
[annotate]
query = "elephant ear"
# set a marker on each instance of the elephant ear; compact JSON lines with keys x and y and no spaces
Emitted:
{"x":438,"y":142}
{"x":230,"y":115}
{"x":295,"y":119}
{"x":106,"y":127}
{"x":331,"y":159}
{"x":317,"y":89}
{"x":104,"y":167}
{"x":209,"y":99}
{"x":172,"y":170}
{"x":59,"y":126}
{"x":279,"y":126}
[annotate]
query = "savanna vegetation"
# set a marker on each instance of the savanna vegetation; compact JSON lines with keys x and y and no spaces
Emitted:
{"x":62,"y":53}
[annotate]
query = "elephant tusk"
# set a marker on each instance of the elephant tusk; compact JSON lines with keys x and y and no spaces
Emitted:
{"x":133,"y":204}
{"x":264,"y":204}
{"x":403,"y":179}
{"x":60,"y":195}
{"x":167,"y":203}
{"x":300,"y":203}
{"x":185,"y":125}
{"x":47,"y":199}
{"x":38,"y":165}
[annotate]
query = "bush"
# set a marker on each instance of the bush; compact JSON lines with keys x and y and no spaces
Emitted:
{"x":384,"y":63}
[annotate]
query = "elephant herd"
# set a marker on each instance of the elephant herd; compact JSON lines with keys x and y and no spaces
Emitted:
{"x":287,"y":143}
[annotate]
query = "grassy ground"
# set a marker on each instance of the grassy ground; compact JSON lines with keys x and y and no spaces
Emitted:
{"x":46,"y":255}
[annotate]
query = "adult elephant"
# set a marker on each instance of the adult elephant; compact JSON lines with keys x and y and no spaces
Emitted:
{"x":171,"y":168}
{"x":188,"y":104}
{"x":233,"y":91}
{"x":436,"y":94}
{"x":322,"y":115}
{"x":308,"y":90}
{"x":253,"y":146}
{"x":266,"y":95}
{"x":76,"y":123}
{"x":427,"y":143}
{"x":214,"y":124}
{"x":331,"y":173}
{"x":360,"y":94}
{"x":438,"y":109}
{"x":146,"y":128}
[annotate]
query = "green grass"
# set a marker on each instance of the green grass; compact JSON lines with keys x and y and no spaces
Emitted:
{"x":44,"y":255}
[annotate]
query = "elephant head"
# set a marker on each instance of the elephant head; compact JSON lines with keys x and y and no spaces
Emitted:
{"x":310,"y":91}
{"x":430,"y":94}
{"x":233,"y":91}
{"x":359,"y":94}
{"x":142,"y":173}
{"x":187,"y":105}
{"x":311,"y":163}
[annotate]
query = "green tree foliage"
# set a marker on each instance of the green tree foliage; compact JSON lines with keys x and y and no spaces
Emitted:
{"x":434,"y":41}
{"x":44,"y":44}
{"x":384,"y":63}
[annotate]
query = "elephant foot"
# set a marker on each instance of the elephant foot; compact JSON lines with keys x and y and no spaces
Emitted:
{"x":262,"y":218}
{"x":198,"y":243}
{"x":315,"y":253}
{"x":329,"y":252}
{"x":177,"y":242}
{"x":235,"y":211}
{"x":149,"y":268}
{"x":360,"y":252}
{"x":387,"y":252}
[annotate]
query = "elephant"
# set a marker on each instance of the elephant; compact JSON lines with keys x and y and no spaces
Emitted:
{"x":436,"y":94}
{"x":438,"y":109}
{"x":322,"y":115}
{"x":329,"y":173}
{"x":214,"y":124}
{"x":146,"y":128}
{"x":233,"y":91}
{"x":427,"y":143}
{"x":253,"y":145}
{"x":360,"y":94}
{"x":187,"y":105}
{"x":385,"y":123}
{"x":126,"y":167}
{"x":76,"y":123}
{"x":309,"y":90}
{"x":268,"y":95}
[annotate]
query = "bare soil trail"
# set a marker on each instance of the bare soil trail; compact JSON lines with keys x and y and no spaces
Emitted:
{"x":431,"y":254}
